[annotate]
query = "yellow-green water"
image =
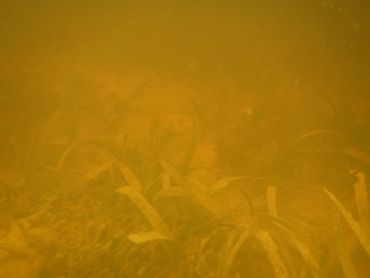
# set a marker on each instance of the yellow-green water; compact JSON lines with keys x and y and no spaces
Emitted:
{"x":184,"y":138}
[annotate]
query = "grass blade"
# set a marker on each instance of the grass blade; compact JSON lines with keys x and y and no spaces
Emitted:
{"x":362,"y":200}
{"x":348,"y":268}
{"x":354,"y":225}
{"x":146,"y":209}
{"x":271,"y":201}
{"x":97,"y":171}
{"x":274,"y":257}
{"x":233,"y":252}
{"x":225,"y":182}
{"x":144,"y":237}
{"x":129,"y":176}
{"x":302,"y":248}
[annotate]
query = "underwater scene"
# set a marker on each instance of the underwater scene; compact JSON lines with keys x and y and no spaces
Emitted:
{"x":172,"y":138}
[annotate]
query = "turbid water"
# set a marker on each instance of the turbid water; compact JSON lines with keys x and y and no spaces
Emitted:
{"x":184,"y":138}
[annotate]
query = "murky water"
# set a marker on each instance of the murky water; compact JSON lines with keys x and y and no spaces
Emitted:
{"x":184,"y":139}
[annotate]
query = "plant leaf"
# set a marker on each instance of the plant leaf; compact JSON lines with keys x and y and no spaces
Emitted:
{"x":144,"y":237}
{"x":146,"y":209}
{"x":354,"y":225}
{"x":269,"y":245}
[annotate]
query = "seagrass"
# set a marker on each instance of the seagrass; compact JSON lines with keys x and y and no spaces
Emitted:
{"x":360,"y":233}
{"x":271,"y":249}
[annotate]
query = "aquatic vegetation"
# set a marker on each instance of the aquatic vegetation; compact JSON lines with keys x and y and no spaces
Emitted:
{"x":109,"y":190}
